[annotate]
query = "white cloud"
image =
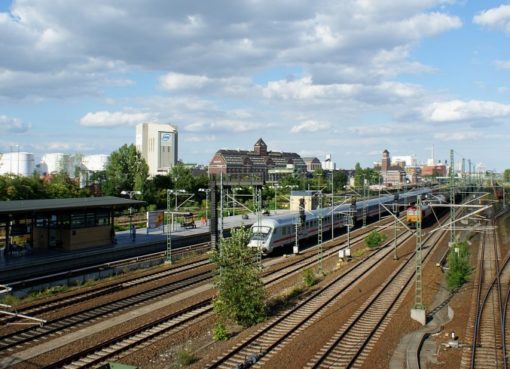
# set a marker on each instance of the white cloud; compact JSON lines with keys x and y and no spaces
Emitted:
{"x":458,"y":110}
{"x":112,"y":119}
{"x":495,"y":18}
{"x":13,"y":125}
{"x":304,"y":88}
{"x":310,"y":126}
{"x":204,"y":43}
{"x":457,"y":136}
{"x":503,"y":64}
{"x":178,"y":81}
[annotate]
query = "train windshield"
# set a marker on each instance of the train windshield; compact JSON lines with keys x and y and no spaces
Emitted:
{"x":260,"y":233}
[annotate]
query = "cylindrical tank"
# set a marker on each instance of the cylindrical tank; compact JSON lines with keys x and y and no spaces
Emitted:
{"x":20,"y":163}
{"x":95,"y":163}
{"x":55,"y":162}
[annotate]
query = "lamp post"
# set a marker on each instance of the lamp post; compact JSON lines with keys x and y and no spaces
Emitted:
{"x":131,"y":195}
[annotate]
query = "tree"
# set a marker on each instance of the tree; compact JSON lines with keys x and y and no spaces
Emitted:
{"x":358,"y":175}
{"x":459,"y":268}
{"x":182,"y":178}
{"x":506,"y":175}
{"x":126,"y":170}
{"x":241,"y":295}
{"x":374,"y":239}
{"x":61,"y":186}
{"x":339,"y":179}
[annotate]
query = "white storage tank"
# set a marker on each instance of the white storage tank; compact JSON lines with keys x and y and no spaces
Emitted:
{"x":54,"y":163}
{"x":95,"y":163}
{"x":20,"y":163}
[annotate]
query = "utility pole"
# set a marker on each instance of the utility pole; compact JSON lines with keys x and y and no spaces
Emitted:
{"x":452,"y":199}
{"x":396,"y":215}
{"x":319,"y":235}
{"x":364,"y":205}
{"x":418,"y":310}
{"x":257,"y":209}
{"x":168,"y":229}
{"x":332,"y":203}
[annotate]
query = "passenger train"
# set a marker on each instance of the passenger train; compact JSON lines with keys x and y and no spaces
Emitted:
{"x":277,"y":231}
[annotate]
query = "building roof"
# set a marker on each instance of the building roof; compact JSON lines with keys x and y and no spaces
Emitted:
{"x":24,"y":206}
{"x":260,"y":142}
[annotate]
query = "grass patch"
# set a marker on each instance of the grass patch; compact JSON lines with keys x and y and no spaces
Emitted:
{"x":359,"y":252}
{"x":10,"y":300}
{"x":185,"y":358}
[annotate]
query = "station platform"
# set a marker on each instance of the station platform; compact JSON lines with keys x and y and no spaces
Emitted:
{"x":23,"y":265}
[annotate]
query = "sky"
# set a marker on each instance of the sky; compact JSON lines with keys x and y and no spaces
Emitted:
{"x":349,"y":78}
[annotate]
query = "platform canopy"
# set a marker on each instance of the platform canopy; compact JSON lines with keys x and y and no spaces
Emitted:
{"x":30,"y":206}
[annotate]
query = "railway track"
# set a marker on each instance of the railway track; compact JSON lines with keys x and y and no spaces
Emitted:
{"x":488,"y":348}
{"x":65,"y":323}
{"x":270,"y":339}
{"x":80,"y":297}
{"x":193,"y":313}
{"x":58,"y":326}
{"x":36,"y":309}
{"x":278,"y":332}
{"x":350,"y":345}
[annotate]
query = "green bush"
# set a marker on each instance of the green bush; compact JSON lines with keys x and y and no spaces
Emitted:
{"x":459,"y":268}
{"x":185,"y":358}
{"x":220,"y":332}
{"x":309,"y":278}
{"x":374,"y":239}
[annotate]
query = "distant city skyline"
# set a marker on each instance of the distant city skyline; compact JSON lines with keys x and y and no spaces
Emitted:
{"x":349,"y":78}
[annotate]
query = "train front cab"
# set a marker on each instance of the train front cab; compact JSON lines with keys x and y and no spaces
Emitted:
{"x":261,"y":238}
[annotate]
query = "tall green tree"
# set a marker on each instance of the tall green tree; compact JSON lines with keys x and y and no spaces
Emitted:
{"x":339,"y":179}
{"x":61,"y":186}
{"x":126,"y":170}
{"x":358,"y":175}
{"x":241,"y":295}
{"x":506,"y":175}
{"x":182,"y":178}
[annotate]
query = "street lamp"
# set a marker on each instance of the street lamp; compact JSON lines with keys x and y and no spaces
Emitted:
{"x":131,"y":194}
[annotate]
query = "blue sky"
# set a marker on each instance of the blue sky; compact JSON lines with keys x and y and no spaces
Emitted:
{"x":350,"y":78}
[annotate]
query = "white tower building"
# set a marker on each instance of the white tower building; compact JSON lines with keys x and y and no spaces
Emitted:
{"x":158,"y":145}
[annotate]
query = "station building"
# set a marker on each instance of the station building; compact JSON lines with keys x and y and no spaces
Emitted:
{"x":269,"y":166}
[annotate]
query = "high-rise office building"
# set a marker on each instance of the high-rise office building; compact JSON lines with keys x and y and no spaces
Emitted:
{"x":158,"y":145}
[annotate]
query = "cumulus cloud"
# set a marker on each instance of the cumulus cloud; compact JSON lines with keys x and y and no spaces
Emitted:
{"x":201,"y":43}
{"x":458,"y":110}
{"x":310,"y":126}
{"x":13,"y":125}
{"x":112,"y":119}
{"x":495,"y":18}
{"x":179,"y":81}
{"x":457,"y":136}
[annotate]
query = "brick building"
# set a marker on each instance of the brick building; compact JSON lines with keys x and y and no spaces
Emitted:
{"x":259,"y":162}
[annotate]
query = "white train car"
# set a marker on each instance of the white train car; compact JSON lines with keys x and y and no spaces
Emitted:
{"x":270,"y":233}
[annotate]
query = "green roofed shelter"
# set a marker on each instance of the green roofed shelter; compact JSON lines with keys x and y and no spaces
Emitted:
{"x":70,"y":224}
